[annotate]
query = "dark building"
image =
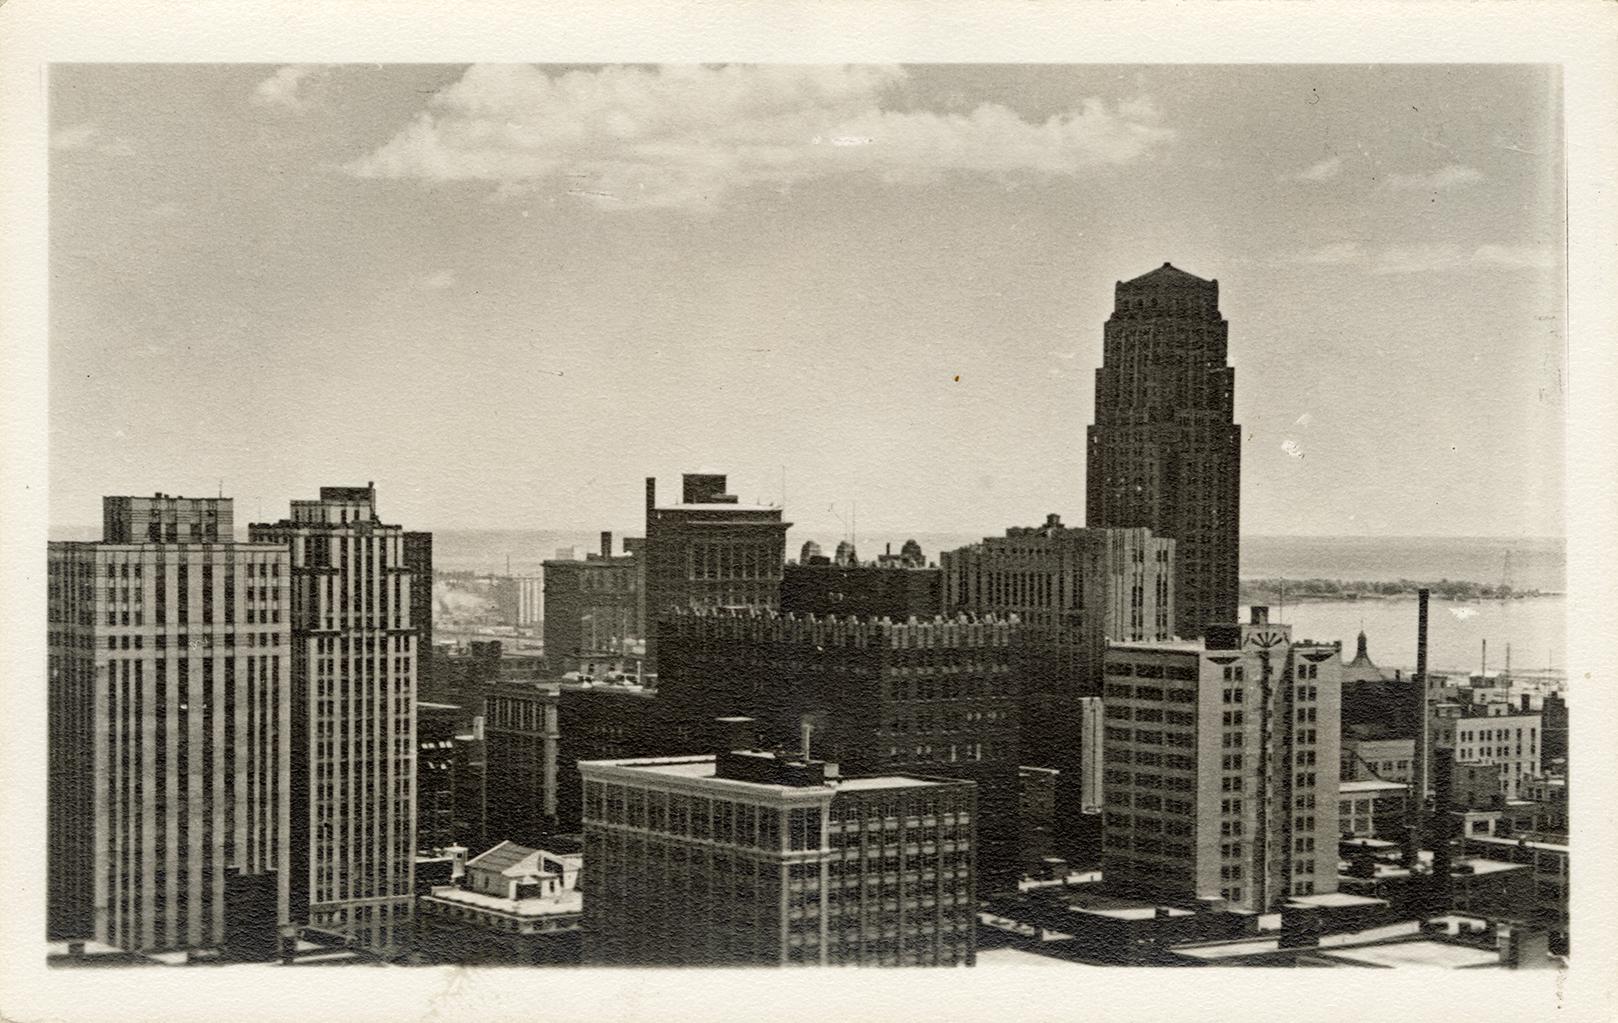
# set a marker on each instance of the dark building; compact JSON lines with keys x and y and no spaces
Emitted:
{"x":418,"y":558}
{"x":436,"y":725}
{"x":867,"y":591}
{"x":1165,"y":452}
{"x":593,"y":619}
{"x":520,"y":749}
{"x":1553,"y":727}
{"x":609,"y":722}
{"x":470,"y":781}
{"x":938,"y":697}
{"x":1072,"y":590}
{"x":708,"y":551}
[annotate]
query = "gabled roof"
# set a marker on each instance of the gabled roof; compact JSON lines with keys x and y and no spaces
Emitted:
{"x":508,"y":858}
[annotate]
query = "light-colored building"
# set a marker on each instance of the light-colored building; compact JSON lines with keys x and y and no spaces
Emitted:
{"x":354,"y":651}
{"x":170,"y":728}
{"x":1222,"y":767}
{"x":514,"y":905}
{"x":1510,"y":742}
{"x":751,"y":859}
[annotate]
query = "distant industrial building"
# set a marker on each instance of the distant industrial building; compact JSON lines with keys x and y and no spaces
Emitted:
{"x":708,"y":551}
{"x":936,"y":697}
{"x":1165,"y":452}
{"x":751,"y":859}
{"x":170,"y":697}
{"x":1221,"y":767}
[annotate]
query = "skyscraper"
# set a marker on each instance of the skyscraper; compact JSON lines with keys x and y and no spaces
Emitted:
{"x":1165,"y":452}
{"x":354,"y":652}
{"x":1221,"y":766}
{"x":170,"y":717}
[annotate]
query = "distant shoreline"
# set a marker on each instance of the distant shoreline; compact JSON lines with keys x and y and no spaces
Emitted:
{"x":1300,"y":590}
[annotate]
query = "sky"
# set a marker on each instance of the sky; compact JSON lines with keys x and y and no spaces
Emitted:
{"x":506,"y":294}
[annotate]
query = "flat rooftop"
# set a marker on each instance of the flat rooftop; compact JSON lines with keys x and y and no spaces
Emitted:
{"x":1178,"y":646}
{"x":568,"y":901}
{"x":1371,"y":785}
{"x":1439,"y":954}
{"x":1335,"y":900}
{"x":703,"y":767}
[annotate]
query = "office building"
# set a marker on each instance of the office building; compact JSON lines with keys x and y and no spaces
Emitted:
{"x":169,"y":747}
{"x":520,"y":737}
{"x":1165,"y":451}
{"x":753,"y":859}
{"x":708,"y":551}
{"x":1507,"y":745}
{"x":1072,"y":590}
{"x":593,"y":621}
{"x":436,"y":727}
{"x":470,"y":781}
{"x":938,"y":697}
{"x":1221,"y":767}
{"x":418,"y":558}
{"x":897,"y":590}
{"x":354,"y":657}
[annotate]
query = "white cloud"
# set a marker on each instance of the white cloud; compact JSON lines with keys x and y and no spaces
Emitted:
{"x":1537,"y":256}
{"x":438,"y":281}
{"x":685,"y":137}
{"x":285,"y":87}
{"x":1325,"y":170}
{"x":88,"y":138}
{"x":1337,"y":252}
{"x":1424,"y":258}
{"x":1451,"y":176}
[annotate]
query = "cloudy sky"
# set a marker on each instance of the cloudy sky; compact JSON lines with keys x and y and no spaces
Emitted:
{"x":507,"y":294}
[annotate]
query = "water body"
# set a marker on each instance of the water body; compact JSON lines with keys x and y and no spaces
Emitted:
{"x":1535,"y":628}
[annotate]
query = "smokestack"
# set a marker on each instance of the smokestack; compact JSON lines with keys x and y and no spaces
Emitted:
{"x":606,"y":543}
{"x":651,"y":497}
{"x":1484,"y":667}
{"x":1525,"y":706}
{"x":807,"y":729}
{"x":1415,"y":823}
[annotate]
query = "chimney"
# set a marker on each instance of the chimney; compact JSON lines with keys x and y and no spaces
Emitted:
{"x":1484,"y":667}
{"x":1422,"y":765}
{"x":1259,"y":614}
{"x":651,"y":498}
{"x":606,"y":543}
{"x":806,"y":728}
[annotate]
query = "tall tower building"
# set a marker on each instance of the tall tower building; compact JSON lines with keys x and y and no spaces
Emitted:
{"x":170,"y":708}
{"x":1221,"y":767}
{"x":354,"y":654}
{"x":1165,"y":452}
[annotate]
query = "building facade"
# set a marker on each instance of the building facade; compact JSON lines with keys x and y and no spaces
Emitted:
{"x":436,"y":727}
{"x":170,"y":721}
{"x":354,"y":654}
{"x":1508,"y":744}
{"x":938,"y":697}
{"x":753,"y":859}
{"x":708,"y":551}
{"x":418,"y":558}
{"x":1071,"y":590}
{"x":1221,"y":767}
{"x":520,"y":732}
{"x":1165,"y":451}
{"x":899,"y":591}
{"x":593,"y":622}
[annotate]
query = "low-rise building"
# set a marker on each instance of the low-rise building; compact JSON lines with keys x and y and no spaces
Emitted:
{"x":1548,"y":862}
{"x":1378,"y":759}
{"x":1372,"y":809}
{"x":515,"y":905}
